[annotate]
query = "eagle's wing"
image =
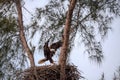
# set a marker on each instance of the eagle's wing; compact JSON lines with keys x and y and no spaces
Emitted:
{"x":56,"y":45}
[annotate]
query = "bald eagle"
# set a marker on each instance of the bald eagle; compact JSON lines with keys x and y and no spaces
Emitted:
{"x":49,"y":51}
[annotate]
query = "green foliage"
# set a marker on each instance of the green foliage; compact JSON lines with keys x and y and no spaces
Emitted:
{"x":7,"y":25}
{"x":11,"y":51}
{"x":49,"y":22}
{"x":91,"y":19}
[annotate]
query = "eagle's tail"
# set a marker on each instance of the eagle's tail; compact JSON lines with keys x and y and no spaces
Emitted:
{"x":42,"y":61}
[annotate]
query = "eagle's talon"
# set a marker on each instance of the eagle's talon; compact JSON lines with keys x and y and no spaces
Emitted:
{"x":52,"y":64}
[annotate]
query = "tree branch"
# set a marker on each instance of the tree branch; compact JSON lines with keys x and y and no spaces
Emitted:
{"x":64,"y":49}
{"x":22,"y":36}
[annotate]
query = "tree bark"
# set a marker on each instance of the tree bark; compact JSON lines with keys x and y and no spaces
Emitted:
{"x":22,"y":36}
{"x":63,"y":54}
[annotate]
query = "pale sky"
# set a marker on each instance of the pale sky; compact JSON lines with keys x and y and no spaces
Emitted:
{"x":90,"y":70}
{"x":111,"y":62}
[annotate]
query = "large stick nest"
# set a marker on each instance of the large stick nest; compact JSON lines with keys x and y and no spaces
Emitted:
{"x":51,"y":73}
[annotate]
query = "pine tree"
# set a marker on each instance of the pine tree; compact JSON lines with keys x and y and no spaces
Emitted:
{"x":89,"y":19}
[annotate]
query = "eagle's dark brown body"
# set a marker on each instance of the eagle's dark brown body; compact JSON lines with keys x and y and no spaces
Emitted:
{"x":47,"y":53}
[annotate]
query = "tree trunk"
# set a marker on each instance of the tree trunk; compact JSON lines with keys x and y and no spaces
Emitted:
{"x":63,"y":54}
{"x":22,"y":36}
